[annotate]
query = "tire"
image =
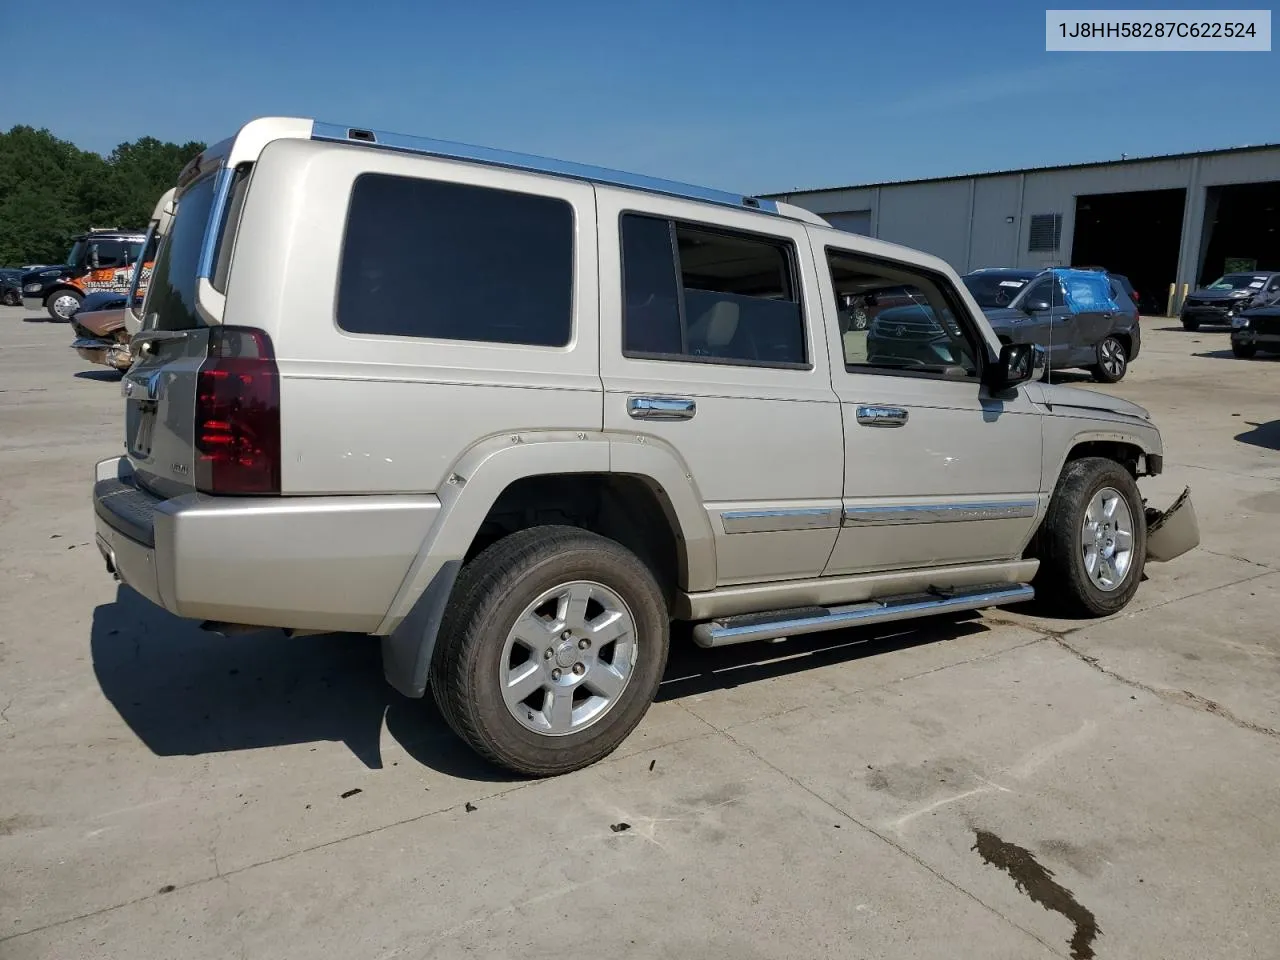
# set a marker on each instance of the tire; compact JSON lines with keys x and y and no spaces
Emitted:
{"x":1063,"y":579}
{"x":478,"y":645}
{"x":1188,"y":324}
{"x":1245,"y":351}
{"x":860,"y":320}
{"x":60,"y":300}
{"x":1113,"y":361}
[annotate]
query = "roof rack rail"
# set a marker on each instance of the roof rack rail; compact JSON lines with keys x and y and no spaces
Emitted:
{"x":520,"y":161}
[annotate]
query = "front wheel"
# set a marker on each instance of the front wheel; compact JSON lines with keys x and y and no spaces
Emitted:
{"x":1245,"y":351}
{"x":1189,"y":324}
{"x":63,"y":304}
{"x":1113,"y":361}
{"x":551,"y":650}
{"x":1093,"y":542}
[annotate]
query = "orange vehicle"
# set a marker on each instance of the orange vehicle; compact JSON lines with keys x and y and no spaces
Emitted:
{"x":100,"y":260}
{"x":108,"y":319}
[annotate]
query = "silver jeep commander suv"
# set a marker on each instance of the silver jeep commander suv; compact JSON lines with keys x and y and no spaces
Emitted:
{"x":513,"y":416}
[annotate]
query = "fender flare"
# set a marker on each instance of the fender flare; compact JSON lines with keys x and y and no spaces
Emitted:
{"x":1128,"y":438}
{"x":471,"y":488}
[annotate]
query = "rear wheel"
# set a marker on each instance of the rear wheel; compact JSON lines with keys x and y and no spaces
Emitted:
{"x":1189,"y":324}
{"x":1245,"y":351}
{"x":551,"y":650}
{"x":1093,"y":542}
{"x":1113,"y":361}
{"x":63,"y":304}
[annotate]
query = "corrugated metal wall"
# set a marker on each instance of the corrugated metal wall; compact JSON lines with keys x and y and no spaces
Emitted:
{"x":984,"y":221}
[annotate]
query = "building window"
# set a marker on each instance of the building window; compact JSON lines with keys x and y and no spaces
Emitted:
{"x":1046,"y":232}
{"x":710,"y":295}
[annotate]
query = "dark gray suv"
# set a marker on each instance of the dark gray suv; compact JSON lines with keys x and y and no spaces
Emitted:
{"x":1031,"y":306}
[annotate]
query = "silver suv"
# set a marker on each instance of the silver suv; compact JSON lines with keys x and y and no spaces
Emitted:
{"x":515,"y":416}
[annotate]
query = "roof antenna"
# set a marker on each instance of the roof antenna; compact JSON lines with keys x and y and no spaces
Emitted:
{"x":1053,"y":292}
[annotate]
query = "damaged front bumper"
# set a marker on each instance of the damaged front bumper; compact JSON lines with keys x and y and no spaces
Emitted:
{"x":105,"y":352}
{"x":1172,"y":532}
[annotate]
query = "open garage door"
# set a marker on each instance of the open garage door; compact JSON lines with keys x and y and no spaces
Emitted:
{"x":1241,"y":229}
{"x":1136,"y":234}
{"x":854,"y":221}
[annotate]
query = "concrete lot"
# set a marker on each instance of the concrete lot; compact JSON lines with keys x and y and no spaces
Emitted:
{"x":1001,"y":786}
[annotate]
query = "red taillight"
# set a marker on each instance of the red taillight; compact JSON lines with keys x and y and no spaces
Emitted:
{"x":237,"y":436}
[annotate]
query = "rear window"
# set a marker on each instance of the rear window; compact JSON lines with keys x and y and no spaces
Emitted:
{"x":171,"y":294}
{"x":451,"y":261}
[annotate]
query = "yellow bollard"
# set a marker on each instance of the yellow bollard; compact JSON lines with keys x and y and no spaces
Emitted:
{"x":1168,"y":310}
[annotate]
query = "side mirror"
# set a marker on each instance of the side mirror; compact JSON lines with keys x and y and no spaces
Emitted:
{"x":1036,"y":306}
{"x":1018,"y":363}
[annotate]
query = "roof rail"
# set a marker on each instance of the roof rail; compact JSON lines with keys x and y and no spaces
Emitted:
{"x":520,"y":161}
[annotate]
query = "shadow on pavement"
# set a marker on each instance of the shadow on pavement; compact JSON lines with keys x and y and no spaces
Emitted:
{"x":693,"y":671}
{"x":186,"y":692}
{"x":106,"y":376}
{"x":1265,"y":435}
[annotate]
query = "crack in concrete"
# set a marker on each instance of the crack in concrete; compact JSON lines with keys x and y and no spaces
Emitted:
{"x":839,"y":811}
{"x":1181,"y":698}
{"x":225,"y":876}
{"x":1236,"y":556}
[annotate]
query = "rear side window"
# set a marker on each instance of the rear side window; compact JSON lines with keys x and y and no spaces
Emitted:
{"x":699,"y":293}
{"x":171,"y":295}
{"x":451,"y":261}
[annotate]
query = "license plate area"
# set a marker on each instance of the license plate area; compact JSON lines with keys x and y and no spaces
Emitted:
{"x":144,"y":429}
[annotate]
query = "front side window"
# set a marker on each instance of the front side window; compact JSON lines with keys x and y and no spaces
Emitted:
{"x":895,"y":317}
{"x":106,"y":253}
{"x":700,"y":293}
{"x":451,"y":261}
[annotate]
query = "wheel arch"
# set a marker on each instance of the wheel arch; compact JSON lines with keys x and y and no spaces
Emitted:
{"x":636,"y":490}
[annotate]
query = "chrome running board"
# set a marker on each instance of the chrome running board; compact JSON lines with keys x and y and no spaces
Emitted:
{"x":789,"y":623}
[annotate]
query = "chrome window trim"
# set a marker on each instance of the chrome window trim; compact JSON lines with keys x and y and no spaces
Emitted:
{"x":940,"y":512}
{"x":213,"y":229}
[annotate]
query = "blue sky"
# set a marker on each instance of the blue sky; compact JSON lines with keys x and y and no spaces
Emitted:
{"x":754,"y":95}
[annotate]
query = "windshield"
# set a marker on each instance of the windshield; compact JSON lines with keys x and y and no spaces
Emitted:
{"x":1238,"y":281}
{"x":76,"y":255}
{"x":171,"y":294}
{"x":994,"y":289}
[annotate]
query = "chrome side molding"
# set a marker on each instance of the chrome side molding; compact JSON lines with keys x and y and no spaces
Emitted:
{"x":772,"y":521}
{"x":940,"y":512}
{"x":743,"y":629}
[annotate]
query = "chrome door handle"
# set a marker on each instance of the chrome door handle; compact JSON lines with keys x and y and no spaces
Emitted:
{"x":881,"y":416}
{"x":661,"y":408}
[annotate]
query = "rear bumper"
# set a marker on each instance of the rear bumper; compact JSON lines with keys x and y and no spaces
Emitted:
{"x":308,"y":563}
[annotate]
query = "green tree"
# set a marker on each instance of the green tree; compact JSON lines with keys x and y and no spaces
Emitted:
{"x":51,"y":190}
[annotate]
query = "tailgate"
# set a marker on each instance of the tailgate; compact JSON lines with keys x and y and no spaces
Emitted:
{"x":160,"y":388}
{"x":160,"y":398}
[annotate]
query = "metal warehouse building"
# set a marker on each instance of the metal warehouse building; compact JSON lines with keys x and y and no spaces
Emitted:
{"x":1178,"y":220}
